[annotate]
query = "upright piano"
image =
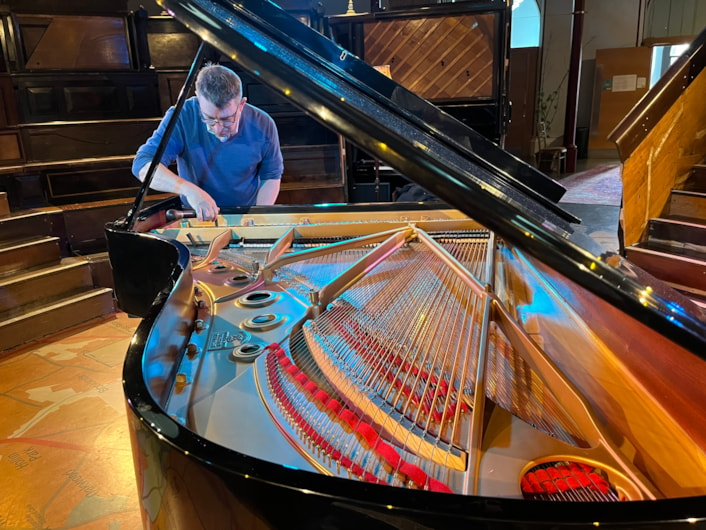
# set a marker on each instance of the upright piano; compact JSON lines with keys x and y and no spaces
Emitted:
{"x":476,"y":362}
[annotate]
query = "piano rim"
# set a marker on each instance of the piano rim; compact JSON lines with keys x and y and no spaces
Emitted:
{"x":398,"y":502}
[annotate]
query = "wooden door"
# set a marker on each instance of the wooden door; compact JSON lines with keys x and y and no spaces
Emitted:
{"x":523,"y":98}
{"x":621,"y":79}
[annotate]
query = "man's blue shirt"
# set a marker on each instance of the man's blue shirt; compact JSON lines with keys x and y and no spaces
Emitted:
{"x":229,"y":171}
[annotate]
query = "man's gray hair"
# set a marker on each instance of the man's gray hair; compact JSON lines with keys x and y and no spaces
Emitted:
{"x":218,"y":84}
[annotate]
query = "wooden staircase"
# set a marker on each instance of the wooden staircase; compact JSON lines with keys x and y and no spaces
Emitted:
{"x":42,"y":290}
{"x":674,"y":246}
{"x":662,"y":145}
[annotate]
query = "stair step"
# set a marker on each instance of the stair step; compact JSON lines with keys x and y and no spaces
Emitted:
{"x":31,"y":223}
{"x":687,"y":205}
{"x":696,"y":181}
{"x":22,"y":291}
{"x":676,"y":237}
{"x":55,"y":317}
{"x":25,"y":254}
{"x":683,"y":272}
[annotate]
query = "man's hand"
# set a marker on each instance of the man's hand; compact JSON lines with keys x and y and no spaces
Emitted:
{"x":166,"y":180}
{"x":204,"y":205}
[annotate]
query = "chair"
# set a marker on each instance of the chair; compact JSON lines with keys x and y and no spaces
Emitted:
{"x":552,"y":159}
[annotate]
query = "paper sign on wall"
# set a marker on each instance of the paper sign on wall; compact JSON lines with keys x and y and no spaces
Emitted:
{"x":625,"y":83}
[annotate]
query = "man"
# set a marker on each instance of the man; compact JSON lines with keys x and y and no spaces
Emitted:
{"x":227,"y":151}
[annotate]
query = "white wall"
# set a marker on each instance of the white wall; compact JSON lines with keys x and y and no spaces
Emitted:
{"x":606,"y":24}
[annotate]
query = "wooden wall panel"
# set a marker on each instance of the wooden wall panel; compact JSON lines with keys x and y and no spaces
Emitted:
{"x":74,"y":141}
{"x":85,"y":184}
{"x":69,"y":6}
{"x":77,"y":97}
{"x":61,"y":42}
{"x":10,"y":148}
{"x":8,"y":104}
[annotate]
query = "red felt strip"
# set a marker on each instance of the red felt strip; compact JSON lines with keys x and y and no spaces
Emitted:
{"x":367,"y":432}
{"x":334,"y":405}
{"x":348,"y":416}
{"x":562,"y":485}
{"x":599,"y":483}
{"x":369,"y":477}
{"x":553,"y":473}
{"x":525,"y":485}
{"x":388,"y":452}
{"x":438,"y":486}
{"x":542,"y":475}
{"x":536,"y":487}
{"x":285,"y":361}
{"x":415,"y":473}
{"x":549,"y":487}
{"x":383,"y":449}
{"x":573,"y":483}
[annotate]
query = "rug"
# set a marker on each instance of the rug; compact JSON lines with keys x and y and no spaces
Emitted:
{"x":599,"y":185}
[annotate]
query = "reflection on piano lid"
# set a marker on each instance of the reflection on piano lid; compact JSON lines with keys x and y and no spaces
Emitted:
{"x":401,"y":366}
{"x":448,"y":159}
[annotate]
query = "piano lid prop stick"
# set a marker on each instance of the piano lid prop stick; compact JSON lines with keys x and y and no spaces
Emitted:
{"x":183,"y":94}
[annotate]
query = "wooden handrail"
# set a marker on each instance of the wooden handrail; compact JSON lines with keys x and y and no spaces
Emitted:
{"x":645,"y":115}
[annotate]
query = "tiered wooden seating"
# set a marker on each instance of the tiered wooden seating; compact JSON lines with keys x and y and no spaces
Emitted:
{"x":43,"y":291}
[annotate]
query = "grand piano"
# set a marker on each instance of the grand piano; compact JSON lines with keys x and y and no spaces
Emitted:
{"x":476,"y":362}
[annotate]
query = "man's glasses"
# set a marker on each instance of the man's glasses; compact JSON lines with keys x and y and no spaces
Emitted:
{"x":228,"y":121}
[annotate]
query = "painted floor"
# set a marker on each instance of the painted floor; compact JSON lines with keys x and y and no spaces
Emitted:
{"x":65,"y":456}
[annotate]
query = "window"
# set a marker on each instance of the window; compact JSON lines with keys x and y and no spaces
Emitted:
{"x":524,"y":31}
{"x":663,"y":57}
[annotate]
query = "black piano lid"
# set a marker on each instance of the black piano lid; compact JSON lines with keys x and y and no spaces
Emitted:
{"x":432,"y":148}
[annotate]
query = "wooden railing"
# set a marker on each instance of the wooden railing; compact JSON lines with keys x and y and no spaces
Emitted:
{"x":661,"y":138}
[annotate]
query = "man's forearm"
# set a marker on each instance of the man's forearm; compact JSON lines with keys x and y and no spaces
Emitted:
{"x":164,"y":179}
{"x":267,"y":194}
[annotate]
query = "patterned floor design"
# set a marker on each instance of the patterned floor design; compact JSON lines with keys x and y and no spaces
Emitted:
{"x":601,"y":184}
{"x":65,"y":456}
